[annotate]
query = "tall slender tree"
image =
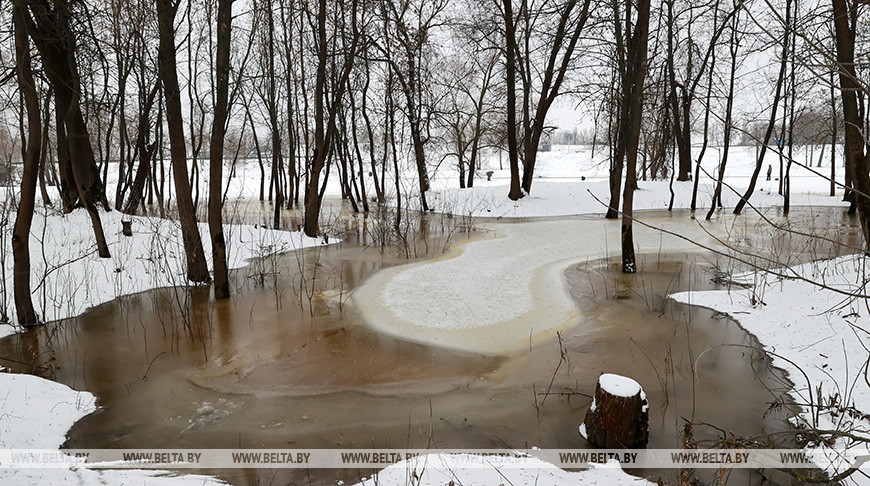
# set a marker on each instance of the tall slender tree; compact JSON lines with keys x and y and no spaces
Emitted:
{"x":49,"y":26}
{"x":24,"y":310}
{"x":328,"y":102}
{"x":636,"y":63}
{"x":783,"y":64}
{"x":216,"y":150}
{"x":197,"y":268}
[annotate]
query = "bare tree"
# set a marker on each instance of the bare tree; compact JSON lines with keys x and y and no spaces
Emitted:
{"x":49,"y":26}
{"x":636,"y":63}
{"x":733,"y":46}
{"x":410,"y":25}
{"x":216,"y":150}
{"x":541,"y":72}
{"x":772,"y":123}
{"x":24,"y":216}
{"x":327,"y":104}
{"x":197,"y":269}
{"x":857,"y":164}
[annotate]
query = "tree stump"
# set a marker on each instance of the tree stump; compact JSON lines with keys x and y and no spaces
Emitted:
{"x":127,"y":228}
{"x":619,"y":414}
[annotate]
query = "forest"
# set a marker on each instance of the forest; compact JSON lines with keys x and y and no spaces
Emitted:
{"x":434,"y":225}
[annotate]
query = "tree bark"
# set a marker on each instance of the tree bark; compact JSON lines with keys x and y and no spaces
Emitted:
{"x":197,"y":269}
{"x":620,"y":75}
{"x":24,"y":310}
{"x":515,"y":192}
{"x":616,"y":421}
{"x":857,"y":165}
{"x":321,"y":145}
{"x":637,"y":56}
{"x":216,"y":151}
{"x":50,"y":30}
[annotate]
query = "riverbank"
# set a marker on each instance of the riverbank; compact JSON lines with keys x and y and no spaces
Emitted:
{"x":813,"y":321}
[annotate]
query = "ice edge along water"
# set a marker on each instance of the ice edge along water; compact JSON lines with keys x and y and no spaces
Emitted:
{"x":492,"y":302}
{"x":816,"y":335}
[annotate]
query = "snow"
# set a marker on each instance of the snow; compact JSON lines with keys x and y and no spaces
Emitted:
{"x":36,"y":413}
{"x":617,"y":385}
{"x":507,"y":288}
{"x":819,"y":337}
{"x":51,"y":408}
{"x":68,"y":277}
{"x":441,"y":469}
{"x":552,"y":199}
{"x":559,"y":189}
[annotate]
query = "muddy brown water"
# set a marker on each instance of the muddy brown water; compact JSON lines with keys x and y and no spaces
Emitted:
{"x":286,"y":362}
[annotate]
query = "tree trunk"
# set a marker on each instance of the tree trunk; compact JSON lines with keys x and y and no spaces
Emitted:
{"x":44,"y":160}
{"x":833,"y":139}
{"x":197,"y":269}
{"x":146,"y":153}
{"x":52,"y":34}
{"x":312,"y":194}
{"x":216,"y":151}
{"x":857,"y":165}
{"x":24,"y":310}
{"x":69,"y":194}
{"x":637,"y":56}
{"x":515,"y":192}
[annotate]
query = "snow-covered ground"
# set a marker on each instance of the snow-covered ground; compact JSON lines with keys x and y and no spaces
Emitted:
{"x":559,"y":189}
{"x":67,"y":275}
{"x":817,"y":335}
{"x":567,"y":198}
{"x":441,"y":469}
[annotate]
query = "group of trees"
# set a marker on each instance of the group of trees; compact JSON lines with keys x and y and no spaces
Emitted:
{"x":699,"y":62}
{"x":367,"y":91}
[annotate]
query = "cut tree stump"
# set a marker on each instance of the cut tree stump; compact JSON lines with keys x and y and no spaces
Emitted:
{"x":619,"y":414}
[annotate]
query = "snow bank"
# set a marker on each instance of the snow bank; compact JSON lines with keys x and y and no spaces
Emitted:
{"x":493,"y":295}
{"x":820,"y":337}
{"x":441,"y":469}
{"x":68,"y":277}
{"x":36,"y":413}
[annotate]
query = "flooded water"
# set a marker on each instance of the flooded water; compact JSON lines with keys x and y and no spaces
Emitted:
{"x":287,"y":361}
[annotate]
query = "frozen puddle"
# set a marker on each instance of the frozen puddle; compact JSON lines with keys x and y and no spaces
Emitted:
{"x":494,"y":295}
